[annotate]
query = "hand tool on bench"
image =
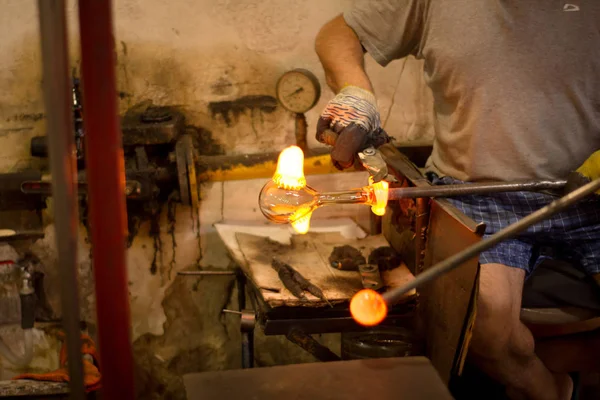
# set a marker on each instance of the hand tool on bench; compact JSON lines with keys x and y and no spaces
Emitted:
{"x":366,"y":302}
{"x":295,"y":282}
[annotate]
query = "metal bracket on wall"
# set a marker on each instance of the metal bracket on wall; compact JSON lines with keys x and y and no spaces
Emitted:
{"x":186,"y":173}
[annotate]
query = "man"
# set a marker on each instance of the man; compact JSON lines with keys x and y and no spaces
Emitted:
{"x":516,"y":88}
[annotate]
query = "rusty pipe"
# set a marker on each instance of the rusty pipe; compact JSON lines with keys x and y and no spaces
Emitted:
{"x":205,"y":273}
{"x":106,"y":187}
{"x":447,"y":265}
{"x":253,"y":166}
{"x":57,"y":100}
{"x":301,"y":127}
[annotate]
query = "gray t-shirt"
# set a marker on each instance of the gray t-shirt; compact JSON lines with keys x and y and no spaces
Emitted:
{"x":516,"y":83}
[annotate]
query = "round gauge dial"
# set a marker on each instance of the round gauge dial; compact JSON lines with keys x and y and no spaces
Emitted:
{"x":298,"y":90}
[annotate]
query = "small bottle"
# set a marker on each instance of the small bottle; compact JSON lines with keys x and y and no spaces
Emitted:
{"x":286,"y":198}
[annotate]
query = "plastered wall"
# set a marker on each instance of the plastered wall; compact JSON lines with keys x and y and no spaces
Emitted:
{"x":190,"y":53}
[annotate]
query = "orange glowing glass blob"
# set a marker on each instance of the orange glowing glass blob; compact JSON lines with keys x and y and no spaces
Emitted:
{"x":288,"y":199}
{"x":301,"y":221}
{"x":368,"y":307}
{"x":380,"y":190}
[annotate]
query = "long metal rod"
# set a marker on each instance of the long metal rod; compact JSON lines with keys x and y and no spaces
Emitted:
{"x":106,"y":188}
{"x":474,"y":188}
{"x":447,"y":265}
{"x":59,"y":127}
{"x":203,"y":273}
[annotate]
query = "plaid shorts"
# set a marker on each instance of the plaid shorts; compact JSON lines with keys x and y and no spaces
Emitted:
{"x":572,"y":235}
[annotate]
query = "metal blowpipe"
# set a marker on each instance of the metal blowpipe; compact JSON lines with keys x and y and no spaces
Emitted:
{"x":475,"y":188}
{"x":447,"y":265}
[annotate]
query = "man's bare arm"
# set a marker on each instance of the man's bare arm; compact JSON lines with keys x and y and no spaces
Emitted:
{"x":352,"y":113}
{"x":342,"y":56}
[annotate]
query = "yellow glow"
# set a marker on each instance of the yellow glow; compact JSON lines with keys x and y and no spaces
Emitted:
{"x":380,"y":189}
{"x":313,"y":165}
{"x":302,"y":225}
{"x":300,"y":221}
{"x":290,"y":169}
{"x":368,"y":307}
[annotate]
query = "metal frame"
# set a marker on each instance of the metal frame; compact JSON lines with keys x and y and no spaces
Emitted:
{"x":246,"y":329}
{"x":298,"y":323}
{"x":106,"y":180}
{"x":106,"y":188}
{"x":57,"y":100}
{"x":280,"y":320}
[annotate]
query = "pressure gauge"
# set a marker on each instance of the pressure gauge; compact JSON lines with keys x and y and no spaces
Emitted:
{"x":298,"y":90}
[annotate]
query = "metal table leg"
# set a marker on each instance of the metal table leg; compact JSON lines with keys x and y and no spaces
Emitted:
{"x":247,"y":328}
{"x":247,"y":323}
{"x":57,"y":100}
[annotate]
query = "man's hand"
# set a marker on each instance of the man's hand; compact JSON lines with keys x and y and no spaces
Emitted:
{"x":353,"y":115}
{"x":591,"y":167}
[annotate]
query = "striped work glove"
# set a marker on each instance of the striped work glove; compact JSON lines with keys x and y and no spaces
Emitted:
{"x":352,"y":114}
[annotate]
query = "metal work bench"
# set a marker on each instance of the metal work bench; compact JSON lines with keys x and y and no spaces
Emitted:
{"x":280,"y":313}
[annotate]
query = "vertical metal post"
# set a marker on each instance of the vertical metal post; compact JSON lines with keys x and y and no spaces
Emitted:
{"x":421,"y":223}
{"x":106,"y":180}
{"x":59,"y":119}
{"x":301,"y":131}
{"x":247,"y":335}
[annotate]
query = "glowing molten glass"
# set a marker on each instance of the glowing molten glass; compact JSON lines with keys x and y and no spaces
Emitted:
{"x":290,"y":169}
{"x":287,"y":198}
{"x":368,"y":307}
{"x":380,"y":190}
